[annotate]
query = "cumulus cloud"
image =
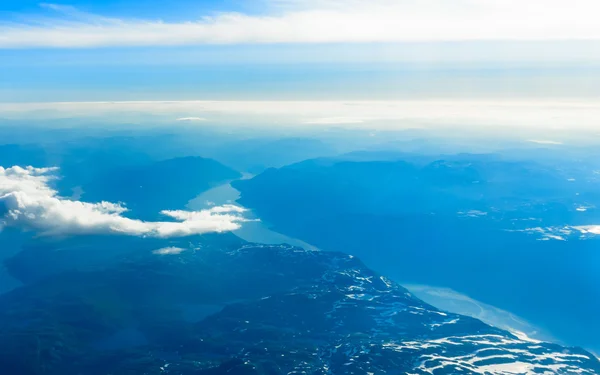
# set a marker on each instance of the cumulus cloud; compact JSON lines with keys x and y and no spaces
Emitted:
{"x":321,"y":21}
{"x":27,"y":201}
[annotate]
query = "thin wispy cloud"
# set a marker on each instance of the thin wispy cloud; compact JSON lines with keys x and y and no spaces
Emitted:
{"x":318,"y":21}
{"x":545,"y":142}
{"x":192,"y":119}
{"x":27,"y":201}
{"x":335,"y":120}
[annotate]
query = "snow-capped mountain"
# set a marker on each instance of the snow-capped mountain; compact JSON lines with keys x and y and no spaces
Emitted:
{"x":223,"y":306}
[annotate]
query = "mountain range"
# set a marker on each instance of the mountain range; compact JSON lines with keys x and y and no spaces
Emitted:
{"x":224,"y":306}
{"x":484,"y":225}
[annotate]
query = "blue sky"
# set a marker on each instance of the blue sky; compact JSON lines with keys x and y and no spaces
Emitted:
{"x":288,"y":81}
{"x":305,"y":49}
{"x":177,"y":10}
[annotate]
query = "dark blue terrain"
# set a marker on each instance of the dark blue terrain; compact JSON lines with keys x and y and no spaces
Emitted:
{"x":502,"y":228}
{"x":497,"y":229}
{"x":229,"y":307}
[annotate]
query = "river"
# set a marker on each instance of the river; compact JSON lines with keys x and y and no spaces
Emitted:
{"x":252,"y":231}
{"x":446,"y":299}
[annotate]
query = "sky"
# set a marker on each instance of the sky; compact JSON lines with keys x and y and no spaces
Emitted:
{"x":125,"y":23}
{"x":380,"y":64}
{"x":96,"y":50}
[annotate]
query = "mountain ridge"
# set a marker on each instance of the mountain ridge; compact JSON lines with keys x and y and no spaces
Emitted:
{"x":224,"y":306}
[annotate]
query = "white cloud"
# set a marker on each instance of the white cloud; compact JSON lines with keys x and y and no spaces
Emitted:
{"x":536,"y":117}
{"x":169,"y":251}
{"x":336,"y":120}
{"x":589,"y":229}
{"x":191,"y":119}
{"x":545,"y":142}
{"x":564,"y":233}
{"x":323,"y":21}
{"x":27,"y":201}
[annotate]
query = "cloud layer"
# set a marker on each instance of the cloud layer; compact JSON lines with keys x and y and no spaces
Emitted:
{"x":320,"y":21}
{"x":27,"y":201}
{"x":569,"y":115}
